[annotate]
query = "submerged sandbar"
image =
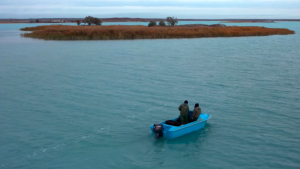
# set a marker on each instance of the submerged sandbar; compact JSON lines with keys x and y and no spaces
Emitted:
{"x":113,"y":32}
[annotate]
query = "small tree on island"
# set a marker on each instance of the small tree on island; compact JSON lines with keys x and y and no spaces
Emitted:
{"x":91,"y":20}
{"x":88,"y":20}
{"x":78,"y":22}
{"x":97,"y":21}
{"x":152,"y":23}
{"x":162,"y":23}
{"x":171,"y":21}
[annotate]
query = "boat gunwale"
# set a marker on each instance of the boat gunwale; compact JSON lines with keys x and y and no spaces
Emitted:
{"x":176,"y":128}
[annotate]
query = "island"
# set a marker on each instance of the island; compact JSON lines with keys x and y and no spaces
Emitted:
{"x":248,"y":21}
{"x":114,"y":32}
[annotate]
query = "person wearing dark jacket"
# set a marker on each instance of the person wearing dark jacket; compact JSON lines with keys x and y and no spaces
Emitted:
{"x":184,"y":110}
{"x":196,"y":112}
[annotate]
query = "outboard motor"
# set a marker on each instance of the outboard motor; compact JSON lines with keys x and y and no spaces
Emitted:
{"x":158,"y":130}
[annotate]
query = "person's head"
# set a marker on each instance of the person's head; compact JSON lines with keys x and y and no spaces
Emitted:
{"x":197,"y":105}
{"x":186,"y":102}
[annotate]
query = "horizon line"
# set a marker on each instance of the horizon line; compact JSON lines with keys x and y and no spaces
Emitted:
{"x":142,"y":18}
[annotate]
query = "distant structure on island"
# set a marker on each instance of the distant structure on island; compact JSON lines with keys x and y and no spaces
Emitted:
{"x":57,"y":21}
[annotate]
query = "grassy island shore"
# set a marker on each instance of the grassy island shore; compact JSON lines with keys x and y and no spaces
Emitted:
{"x":247,"y":22}
{"x":66,"y":32}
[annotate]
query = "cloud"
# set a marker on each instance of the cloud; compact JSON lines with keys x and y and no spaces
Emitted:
{"x":152,"y":8}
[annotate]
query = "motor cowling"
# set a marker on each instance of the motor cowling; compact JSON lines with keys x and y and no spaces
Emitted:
{"x":158,"y":130}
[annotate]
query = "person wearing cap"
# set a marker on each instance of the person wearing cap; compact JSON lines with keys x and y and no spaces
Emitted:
{"x":196,"y":112}
{"x":184,"y":110}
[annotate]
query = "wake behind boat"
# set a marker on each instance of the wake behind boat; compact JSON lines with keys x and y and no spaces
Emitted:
{"x":171,"y":129}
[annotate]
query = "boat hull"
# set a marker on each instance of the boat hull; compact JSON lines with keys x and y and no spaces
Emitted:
{"x":171,"y":132}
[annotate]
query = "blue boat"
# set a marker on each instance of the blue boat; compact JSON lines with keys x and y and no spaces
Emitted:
{"x":169,"y":131}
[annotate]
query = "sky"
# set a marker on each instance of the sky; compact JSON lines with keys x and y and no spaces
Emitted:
{"x":182,"y":9}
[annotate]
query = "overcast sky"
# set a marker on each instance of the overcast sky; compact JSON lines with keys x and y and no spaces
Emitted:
{"x":196,"y":9}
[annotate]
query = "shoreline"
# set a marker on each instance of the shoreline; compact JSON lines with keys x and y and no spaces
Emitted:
{"x":136,"y":21}
{"x":112,"y":20}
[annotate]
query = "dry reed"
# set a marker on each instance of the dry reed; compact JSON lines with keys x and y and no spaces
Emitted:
{"x":66,"y":32}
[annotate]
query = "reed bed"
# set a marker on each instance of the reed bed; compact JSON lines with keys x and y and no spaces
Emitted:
{"x":66,"y":32}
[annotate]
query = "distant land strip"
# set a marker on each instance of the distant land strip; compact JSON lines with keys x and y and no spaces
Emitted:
{"x":73,"y":20}
{"x":114,"y":32}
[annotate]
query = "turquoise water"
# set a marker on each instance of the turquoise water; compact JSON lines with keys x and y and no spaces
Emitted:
{"x":89,"y":104}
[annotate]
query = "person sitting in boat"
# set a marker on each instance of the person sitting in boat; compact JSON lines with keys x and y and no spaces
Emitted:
{"x":196,"y":112}
{"x":184,"y":110}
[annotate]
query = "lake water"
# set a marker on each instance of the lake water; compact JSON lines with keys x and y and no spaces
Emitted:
{"x":89,"y":104}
